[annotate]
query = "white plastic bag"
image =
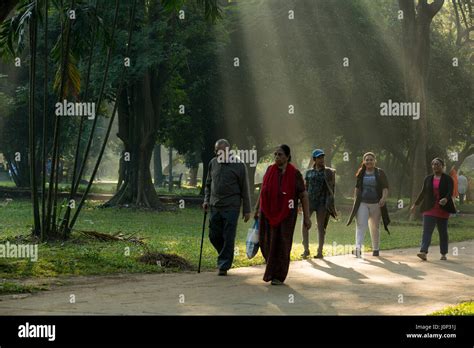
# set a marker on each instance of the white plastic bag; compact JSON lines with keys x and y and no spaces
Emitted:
{"x":252,"y":240}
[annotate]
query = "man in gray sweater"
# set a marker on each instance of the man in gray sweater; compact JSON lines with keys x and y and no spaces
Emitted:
{"x":226,"y":189}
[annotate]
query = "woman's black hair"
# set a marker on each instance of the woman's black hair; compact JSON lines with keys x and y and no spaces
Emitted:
{"x":439,"y":160}
{"x":286,"y":150}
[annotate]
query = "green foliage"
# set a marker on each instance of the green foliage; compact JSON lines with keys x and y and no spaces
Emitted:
{"x":196,"y":86}
{"x":464,"y":308}
{"x":73,"y":78}
{"x":13,"y":31}
{"x":8,"y":287}
{"x":211,"y":7}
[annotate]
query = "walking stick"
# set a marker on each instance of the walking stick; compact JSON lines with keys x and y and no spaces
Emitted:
{"x":202,"y":240}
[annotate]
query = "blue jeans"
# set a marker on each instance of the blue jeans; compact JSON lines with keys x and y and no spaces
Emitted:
{"x":429,"y":223}
{"x":222,"y":230}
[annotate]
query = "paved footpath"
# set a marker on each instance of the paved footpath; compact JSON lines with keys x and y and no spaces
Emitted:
{"x":396,"y":283}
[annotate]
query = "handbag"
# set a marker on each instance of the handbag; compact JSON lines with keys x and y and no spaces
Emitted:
{"x":252,"y":240}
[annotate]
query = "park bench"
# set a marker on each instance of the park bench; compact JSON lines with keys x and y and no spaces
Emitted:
{"x":176,"y":180}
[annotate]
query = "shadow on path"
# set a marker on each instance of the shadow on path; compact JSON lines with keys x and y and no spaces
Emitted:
{"x":339,"y":271}
{"x":397,"y":267}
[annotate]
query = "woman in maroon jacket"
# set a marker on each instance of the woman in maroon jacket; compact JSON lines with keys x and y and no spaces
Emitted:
{"x":436,"y":205}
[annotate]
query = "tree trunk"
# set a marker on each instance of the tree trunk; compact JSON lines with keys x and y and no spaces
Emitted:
{"x":193,"y":172}
{"x":146,"y":194}
{"x":416,"y":49}
{"x":138,"y":120}
{"x":170,"y":170}
{"x":32,"y":127}
{"x":206,"y":156}
{"x":158,"y":166}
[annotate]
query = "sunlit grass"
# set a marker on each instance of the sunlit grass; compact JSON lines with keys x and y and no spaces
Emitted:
{"x":176,"y":232}
{"x":110,"y":188}
{"x":464,"y":308}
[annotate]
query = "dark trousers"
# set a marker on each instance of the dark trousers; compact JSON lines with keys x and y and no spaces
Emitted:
{"x":222,"y":229}
{"x":429,"y":223}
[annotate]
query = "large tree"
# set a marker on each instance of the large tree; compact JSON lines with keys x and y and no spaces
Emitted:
{"x":417,"y":20}
{"x":152,"y":99}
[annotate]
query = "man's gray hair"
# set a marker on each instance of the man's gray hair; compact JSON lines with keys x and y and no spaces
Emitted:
{"x":223,"y":141}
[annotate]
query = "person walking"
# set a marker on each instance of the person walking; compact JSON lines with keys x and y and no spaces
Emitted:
{"x":320,"y":183}
{"x":436,"y":204}
{"x":462,"y":187}
{"x":277,"y":210}
{"x":226,"y":189}
{"x":453,"y":173}
{"x":470,"y":189}
{"x":370,"y":195}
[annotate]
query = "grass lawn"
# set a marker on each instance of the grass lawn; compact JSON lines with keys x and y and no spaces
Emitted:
{"x":171,"y":232}
{"x":110,"y":188}
{"x":464,"y":308}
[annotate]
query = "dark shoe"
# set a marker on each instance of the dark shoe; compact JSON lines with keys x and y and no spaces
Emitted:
{"x":443,"y":258}
{"x":319,"y":256}
{"x":422,"y":255}
{"x":222,"y":272}
{"x":305,"y":254}
{"x":276,"y":282}
{"x":375,"y":253}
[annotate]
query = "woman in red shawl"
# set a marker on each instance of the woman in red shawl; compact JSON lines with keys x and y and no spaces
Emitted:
{"x":277,"y":211}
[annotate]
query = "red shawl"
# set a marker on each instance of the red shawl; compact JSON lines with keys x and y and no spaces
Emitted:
{"x":275,"y":199}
